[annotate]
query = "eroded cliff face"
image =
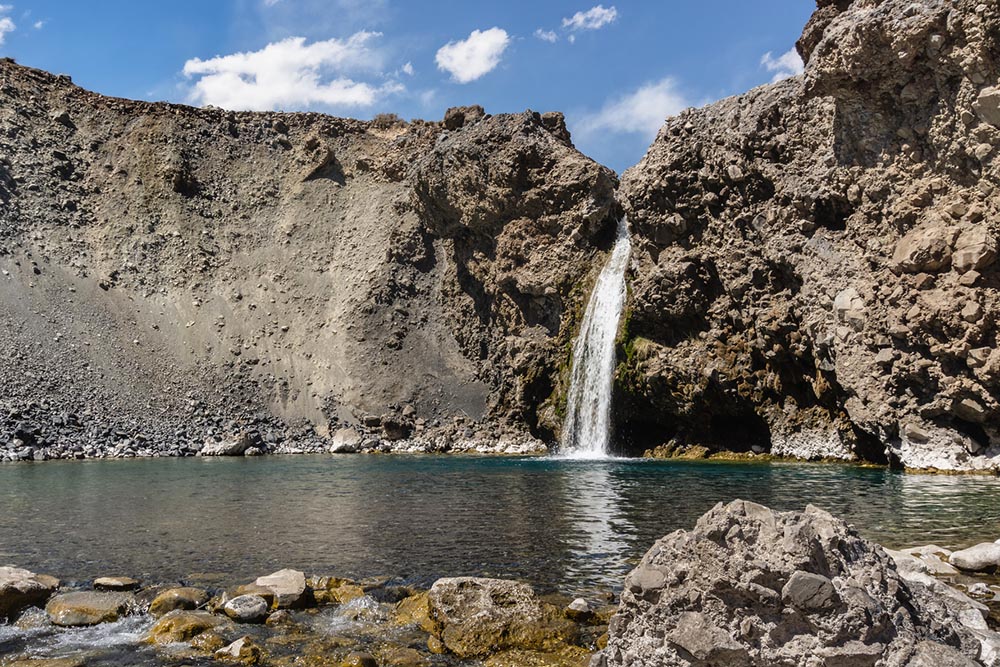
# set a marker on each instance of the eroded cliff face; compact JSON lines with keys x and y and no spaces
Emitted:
{"x":172,"y":275}
{"x":815,"y":266}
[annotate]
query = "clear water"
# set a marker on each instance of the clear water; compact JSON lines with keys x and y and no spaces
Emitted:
{"x":587,"y":428}
{"x":570,"y":526}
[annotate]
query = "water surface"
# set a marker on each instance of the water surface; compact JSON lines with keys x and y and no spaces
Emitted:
{"x":573,"y":526}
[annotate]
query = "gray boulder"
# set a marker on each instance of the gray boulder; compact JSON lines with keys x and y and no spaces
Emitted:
{"x":752,"y":586}
{"x":247,"y":609}
{"x":983,"y":557}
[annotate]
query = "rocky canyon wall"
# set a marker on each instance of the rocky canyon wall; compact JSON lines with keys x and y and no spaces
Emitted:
{"x":173,"y":275}
{"x":816,"y":266}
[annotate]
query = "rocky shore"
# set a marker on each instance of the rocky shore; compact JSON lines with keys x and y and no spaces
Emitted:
{"x":746,"y":586}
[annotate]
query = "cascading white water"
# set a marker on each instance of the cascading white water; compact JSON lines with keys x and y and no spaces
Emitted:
{"x":587,"y":429}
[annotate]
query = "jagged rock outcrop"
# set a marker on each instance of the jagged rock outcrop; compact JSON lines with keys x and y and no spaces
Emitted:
{"x":176,"y":279}
{"x":751,"y":586}
{"x":815,"y":261}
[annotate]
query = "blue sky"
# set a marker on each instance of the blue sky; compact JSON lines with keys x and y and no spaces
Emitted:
{"x":616,"y":69}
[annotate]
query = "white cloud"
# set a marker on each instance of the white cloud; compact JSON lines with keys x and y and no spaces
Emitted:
{"x":787,"y":64}
{"x":592,"y":19}
{"x":408,"y":69}
{"x":38,"y":25}
{"x":6,"y":24}
{"x":471,"y":58}
{"x":547,"y":35}
{"x":291,"y":74}
{"x":640,"y":112}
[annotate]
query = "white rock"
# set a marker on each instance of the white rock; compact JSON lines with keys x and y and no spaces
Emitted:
{"x":983,"y":557}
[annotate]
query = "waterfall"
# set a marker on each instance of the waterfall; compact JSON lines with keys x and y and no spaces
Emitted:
{"x":587,"y":429}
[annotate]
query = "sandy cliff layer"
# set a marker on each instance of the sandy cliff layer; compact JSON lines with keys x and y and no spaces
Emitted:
{"x":816,"y":260}
{"x":171,"y":275}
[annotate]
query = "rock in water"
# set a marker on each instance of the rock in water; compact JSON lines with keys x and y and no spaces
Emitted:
{"x":182,"y":626}
{"x":475,"y":617}
{"x":980,"y":558}
{"x":185,"y":598}
{"x":116,"y":584}
{"x":289,"y":588}
{"x":751,"y":586}
{"x":247,"y":609}
{"x":20,"y":589}
{"x":87,"y":608}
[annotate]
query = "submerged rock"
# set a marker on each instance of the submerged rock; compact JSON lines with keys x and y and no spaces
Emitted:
{"x":752,"y":586}
{"x":88,"y":608}
{"x":20,"y":589}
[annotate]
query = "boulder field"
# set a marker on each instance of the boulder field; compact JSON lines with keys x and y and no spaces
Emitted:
{"x":814,"y":269}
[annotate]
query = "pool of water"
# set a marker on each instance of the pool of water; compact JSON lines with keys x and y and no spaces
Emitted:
{"x":570,"y":526}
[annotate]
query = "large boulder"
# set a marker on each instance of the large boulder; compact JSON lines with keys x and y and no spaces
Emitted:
{"x":20,"y":589}
{"x":475,"y":617}
{"x":88,"y":608}
{"x":752,"y":586}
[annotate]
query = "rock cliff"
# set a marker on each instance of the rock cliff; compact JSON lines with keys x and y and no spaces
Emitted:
{"x":815,"y":265}
{"x":172,"y":275}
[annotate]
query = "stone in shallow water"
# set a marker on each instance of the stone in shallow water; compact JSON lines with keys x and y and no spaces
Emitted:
{"x":983,"y":557}
{"x":116,"y":584}
{"x":20,"y":589}
{"x":289,"y":588}
{"x":182,"y":626}
{"x":475,"y":617}
{"x":48,"y":662}
{"x":243,"y":650}
{"x":186,"y":598}
{"x":247,"y":609}
{"x":88,"y":608}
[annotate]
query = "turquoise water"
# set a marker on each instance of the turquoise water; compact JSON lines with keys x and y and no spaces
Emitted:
{"x":561,"y":525}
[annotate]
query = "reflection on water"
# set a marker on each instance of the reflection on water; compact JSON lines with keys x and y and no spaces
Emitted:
{"x":565,"y":525}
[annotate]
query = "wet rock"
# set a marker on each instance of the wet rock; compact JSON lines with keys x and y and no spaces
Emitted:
{"x":359,"y":659}
{"x":20,"y":589}
{"x":184,"y":598}
{"x":247,"y":609}
{"x":181,"y":626}
{"x":414,"y":610}
{"x":243,"y":650}
{"x":47,"y":662}
{"x":983,"y":557}
{"x":116,"y":584}
{"x":748,"y":585}
{"x":473,"y":617}
{"x":86,"y":608}
{"x":289,"y":589}
{"x":331,"y":590}
{"x":579,"y":610}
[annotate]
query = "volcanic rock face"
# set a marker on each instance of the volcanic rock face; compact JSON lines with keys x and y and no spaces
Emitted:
{"x":751,"y":586}
{"x":172,"y":276}
{"x":816,"y":260}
